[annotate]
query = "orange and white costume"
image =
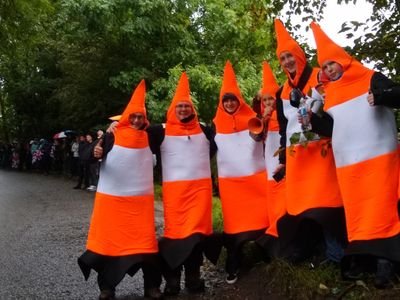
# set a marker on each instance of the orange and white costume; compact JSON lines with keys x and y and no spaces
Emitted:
{"x":364,"y":142}
{"x":186,"y":187}
{"x":122,"y":229}
{"x":241,"y":169}
{"x":276,"y":191}
{"x":312,"y":190}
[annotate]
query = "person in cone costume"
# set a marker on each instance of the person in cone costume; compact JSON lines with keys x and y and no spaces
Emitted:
{"x":313,"y":201}
{"x":366,"y":155}
{"x":185,"y":147}
{"x":241,"y":173}
{"x":122,"y":237}
{"x":276,"y":192}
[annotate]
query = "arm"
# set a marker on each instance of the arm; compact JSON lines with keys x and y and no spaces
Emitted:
{"x":322,"y":124}
{"x":209,"y":132}
{"x":384,"y":91}
{"x":282,"y":127}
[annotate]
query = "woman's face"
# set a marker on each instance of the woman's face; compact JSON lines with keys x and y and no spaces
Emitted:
{"x":332,"y":70}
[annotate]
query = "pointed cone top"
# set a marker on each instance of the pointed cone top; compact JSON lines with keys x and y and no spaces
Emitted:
{"x":269,"y":84}
{"x":182,"y":94}
{"x":285,"y":43}
{"x":135,"y":105}
{"x":229,"y":83}
{"x":328,"y":50}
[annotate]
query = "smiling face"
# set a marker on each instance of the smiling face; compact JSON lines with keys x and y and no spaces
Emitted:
{"x":230,"y":105}
{"x":137,"y":120}
{"x":332,"y":70}
{"x":183,"y":110}
{"x":288,"y":62}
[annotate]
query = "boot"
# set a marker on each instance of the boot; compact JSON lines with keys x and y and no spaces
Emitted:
{"x":153,"y":293}
{"x":384,"y":276}
{"x":193,"y":282}
{"x":106,"y":295}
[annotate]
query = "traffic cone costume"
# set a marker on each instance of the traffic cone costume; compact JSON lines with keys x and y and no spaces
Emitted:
{"x":364,"y":143}
{"x":122,"y":231}
{"x":241,"y":170}
{"x":312,"y":190}
{"x":276,"y":192}
{"x":187,"y":187}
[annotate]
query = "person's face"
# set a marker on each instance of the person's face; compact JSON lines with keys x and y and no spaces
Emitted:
{"x":82,"y":138}
{"x":137,"y":120}
{"x":332,"y":70}
{"x":288,"y":62}
{"x":89,"y":138}
{"x":183,"y":110}
{"x":268,"y":100}
{"x":230,"y":105}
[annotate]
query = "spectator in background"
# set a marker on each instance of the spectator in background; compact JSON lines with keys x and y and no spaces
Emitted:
{"x":74,"y":154}
{"x":82,"y":152}
{"x":92,"y":164}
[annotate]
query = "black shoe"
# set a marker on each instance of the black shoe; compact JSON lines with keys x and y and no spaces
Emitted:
{"x":77,"y":187}
{"x":106,"y":295}
{"x":172,"y":289}
{"x":357,"y":269}
{"x":385,"y":276}
{"x":195,"y":286}
{"x":153,"y":293}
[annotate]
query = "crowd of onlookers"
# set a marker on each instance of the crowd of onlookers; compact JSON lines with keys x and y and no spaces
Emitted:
{"x":71,"y":156}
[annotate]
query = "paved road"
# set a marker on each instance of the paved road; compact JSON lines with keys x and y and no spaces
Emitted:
{"x":43,"y":227}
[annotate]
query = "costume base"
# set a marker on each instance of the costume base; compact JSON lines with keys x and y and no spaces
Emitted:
{"x":176,"y":251}
{"x":114,"y":268}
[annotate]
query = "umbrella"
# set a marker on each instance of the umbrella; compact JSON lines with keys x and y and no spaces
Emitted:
{"x":63,"y":134}
{"x":115,"y":118}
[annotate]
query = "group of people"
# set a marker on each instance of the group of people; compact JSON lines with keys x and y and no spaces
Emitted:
{"x":339,"y":187}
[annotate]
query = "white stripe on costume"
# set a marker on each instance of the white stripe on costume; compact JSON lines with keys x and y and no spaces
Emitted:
{"x":272,"y":144}
{"x":238,"y":155}
{"x":361,"y":131}
{"x":127,"y":172}
{"x":185,"y":157}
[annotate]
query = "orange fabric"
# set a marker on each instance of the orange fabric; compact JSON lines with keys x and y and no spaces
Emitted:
{"x":311,"y":83}
{"x":135,"y":105}
{"x":356,"y":78}
{"x":371,"y":213}
{"x":187,"y":208}
{"x":269,"y":85}
{"x":276,"y":195}
{"x":273,"y":124}
{"x":131,"y":138}
{"x":286,"y":43}
{"x":173,"y":125}
{"x":122,"y":225}
{"x":311,"y":180}
{"x":229,"y":123}
{"x":244,"y":212}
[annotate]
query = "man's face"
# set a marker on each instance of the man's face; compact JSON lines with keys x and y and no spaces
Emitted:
{"x":268,"y":100}
{"x":137,"y":120}
{"x":332,"y":70}
{"x":288,"y":62}
{"x":230,"y":105}
{"x":89,"y":138}
{"x":183,"y":110}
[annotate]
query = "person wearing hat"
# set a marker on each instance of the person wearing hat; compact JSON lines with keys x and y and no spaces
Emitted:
{"x":185,"y":149}
{"x":313,"y":201}
{"x":364,"y":143}
{"x":276,"y":192}
{"x":241,"y":174}
{"x":122,"y":237}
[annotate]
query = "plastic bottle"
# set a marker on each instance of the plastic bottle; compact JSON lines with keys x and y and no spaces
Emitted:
{"x":305,"y":117}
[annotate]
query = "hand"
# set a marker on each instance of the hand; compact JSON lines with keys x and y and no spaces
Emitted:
{"x":278,"y":168}
{"x":98,"y":149}
{"x":112,"y":127}
{"x":370,"y":99}
{"x":268,"y":112}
